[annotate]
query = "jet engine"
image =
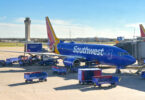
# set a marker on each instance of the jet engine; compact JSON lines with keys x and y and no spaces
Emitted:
{"x":71,"y":62}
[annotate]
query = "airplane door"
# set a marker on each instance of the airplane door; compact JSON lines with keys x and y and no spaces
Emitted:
{"x":109,"y":54}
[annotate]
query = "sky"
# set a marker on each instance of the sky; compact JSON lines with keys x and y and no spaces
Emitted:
{"x":72,"y":18}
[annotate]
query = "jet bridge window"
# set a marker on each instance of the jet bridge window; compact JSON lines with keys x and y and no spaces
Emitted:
{"x":122,"y":53}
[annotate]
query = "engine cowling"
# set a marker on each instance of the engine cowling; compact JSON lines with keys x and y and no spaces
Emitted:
{"x":71,"y":62}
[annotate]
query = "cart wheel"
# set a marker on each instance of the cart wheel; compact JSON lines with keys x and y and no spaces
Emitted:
{"x":113,"y":84}
{"x":26,"y":81}
{"x":45,"y":80}
{"x":94,"y":85}
{"x":99,"y":85}
{"x":40,"y":80}
{"x":79,"y":82}
{"x":83,"y":83}
{"x":31,"y":81}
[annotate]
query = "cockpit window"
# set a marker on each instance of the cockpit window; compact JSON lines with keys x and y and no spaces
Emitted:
{"x":123,"y":53}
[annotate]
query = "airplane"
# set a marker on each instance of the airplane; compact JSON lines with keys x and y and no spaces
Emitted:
{"x":75,"y":53}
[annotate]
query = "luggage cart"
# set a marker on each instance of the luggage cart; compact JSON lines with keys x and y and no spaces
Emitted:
{"x":11,"y":61}
{"x":143,"y":74}
{"x":24,"y":60}
{"x":48,"y":61}
{"x":8,"y":62}
{"x":2,"y":63}
{"x":85,"y":75}
{"x":59,"y":70}
{"x":29,"y":77}
{"x":108,"y":79}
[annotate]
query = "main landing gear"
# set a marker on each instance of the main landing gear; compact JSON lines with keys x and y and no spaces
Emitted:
{"x":118,"y":71}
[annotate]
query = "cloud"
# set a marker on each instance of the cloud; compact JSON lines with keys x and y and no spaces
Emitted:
{"x":63,"y":29}
{"x":9,"y":30}
{"x":20,"y":20}
{"x":3,"y":17}
{"x":135,"y":25}
{"x":60,"y":22}
{"x":135,"y":28}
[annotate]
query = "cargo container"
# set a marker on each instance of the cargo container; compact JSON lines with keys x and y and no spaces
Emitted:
{"x":85,"y":75}
{"x":33,"y":47}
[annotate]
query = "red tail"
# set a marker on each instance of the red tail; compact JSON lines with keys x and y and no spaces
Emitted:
{"x":142,"y":30}
{"x":49,"y":33}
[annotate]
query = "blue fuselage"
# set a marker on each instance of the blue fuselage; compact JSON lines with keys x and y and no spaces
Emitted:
{"x":104,"y":54}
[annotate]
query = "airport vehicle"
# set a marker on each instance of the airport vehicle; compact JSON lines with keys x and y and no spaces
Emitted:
{"x":34,"y":59}
{"x":30,"y":76}
{"x":143,"y":74}
{"x":85,"y":75}
{"x":59,"y":70}
{"x":46,"y":61}
{"x":11,"y":61}
{"x":75,"y":53}
{"x":2,"y":63}
{"x":24,"y":60}
{"x":107,"y":79}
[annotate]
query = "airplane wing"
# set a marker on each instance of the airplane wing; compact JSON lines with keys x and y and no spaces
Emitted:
{"x":45,"y":53}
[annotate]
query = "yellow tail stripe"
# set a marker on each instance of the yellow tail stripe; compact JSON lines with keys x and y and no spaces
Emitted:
{"x":54,"y":36}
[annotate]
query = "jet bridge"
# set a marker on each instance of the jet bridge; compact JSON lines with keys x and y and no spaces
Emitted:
{"x":136,"y":48}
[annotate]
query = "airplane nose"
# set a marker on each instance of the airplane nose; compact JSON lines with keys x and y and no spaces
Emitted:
{"x":131,"y":60}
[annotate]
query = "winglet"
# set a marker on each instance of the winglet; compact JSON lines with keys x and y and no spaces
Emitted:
{"x":142,"y":30}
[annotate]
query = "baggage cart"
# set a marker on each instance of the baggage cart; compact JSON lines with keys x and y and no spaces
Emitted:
{"x":59,"y":70}
{"x":143,"y":74}
{"x":30,"y":76}
{"x":24,"y":60}
{"x":2,"y":63}
{"x":85,"y":75}
{"x":10,"y":61}
{"x":108,"y":79}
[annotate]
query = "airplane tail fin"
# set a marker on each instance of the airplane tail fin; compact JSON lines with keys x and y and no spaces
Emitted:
{"x":142,"y":30}
{"x":53,"y":40}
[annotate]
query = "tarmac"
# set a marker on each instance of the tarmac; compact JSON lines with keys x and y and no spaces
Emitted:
{"x":65,"y":87}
